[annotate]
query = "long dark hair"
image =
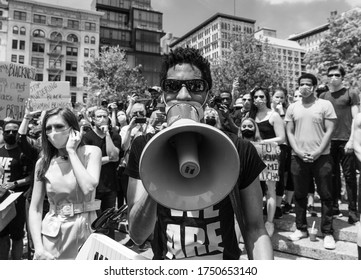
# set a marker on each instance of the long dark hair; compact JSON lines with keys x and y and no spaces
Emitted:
{"x":48,"y":150}
{"x":253,"y":111}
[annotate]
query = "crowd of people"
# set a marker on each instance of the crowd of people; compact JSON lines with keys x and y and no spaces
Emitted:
{"x":73,"y":165}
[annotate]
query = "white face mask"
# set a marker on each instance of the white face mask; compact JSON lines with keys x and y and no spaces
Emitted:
{"x":59,"y":139}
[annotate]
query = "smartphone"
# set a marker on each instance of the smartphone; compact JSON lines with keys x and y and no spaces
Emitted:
{"x":140,"y":120}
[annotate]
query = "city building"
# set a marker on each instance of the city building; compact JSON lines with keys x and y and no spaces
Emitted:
{"x":137,"y":28}
{"x":165,"y":41}
{"x":55,"y":39}
{"x":289,"y":55}
{"x":213,"y":36}
{"x":4,"y":14}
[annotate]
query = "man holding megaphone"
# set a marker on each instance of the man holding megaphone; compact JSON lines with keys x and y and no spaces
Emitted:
{"x":181,"y":179}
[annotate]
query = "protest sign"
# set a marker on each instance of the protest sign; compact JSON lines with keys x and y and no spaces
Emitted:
{"x":48,"y":95}
{"x":270,"y":154}
{"x":14,"y":89}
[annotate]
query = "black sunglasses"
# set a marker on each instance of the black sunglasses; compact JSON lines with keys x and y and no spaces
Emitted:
{"x":336,"y":75}
{"x":196,"y":85}
{"x":10,"y":130}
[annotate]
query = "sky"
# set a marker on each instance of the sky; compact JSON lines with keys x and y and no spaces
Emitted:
{"x":286,"y":16}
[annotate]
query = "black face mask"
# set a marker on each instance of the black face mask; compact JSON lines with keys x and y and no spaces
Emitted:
{"x":10,"y":139}
{"x":247,"y":133}
{"x":211,"y":121}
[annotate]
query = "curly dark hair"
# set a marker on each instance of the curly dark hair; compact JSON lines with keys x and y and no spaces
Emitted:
{"x":186,"y":55}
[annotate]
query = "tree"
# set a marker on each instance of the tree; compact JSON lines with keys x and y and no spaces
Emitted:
{"x":111,"y":77}
{"x":251,"y":61}
{"x":342,"y":45}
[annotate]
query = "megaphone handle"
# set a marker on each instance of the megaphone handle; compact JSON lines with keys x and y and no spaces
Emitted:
{"x":187,"y":150}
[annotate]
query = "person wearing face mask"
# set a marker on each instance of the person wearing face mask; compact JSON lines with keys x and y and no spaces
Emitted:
{"x":272,"y":130}
{"x":249,"y":130}
{"x":211,"y":117}
{"x":346,"y":102}
{"x":16,"y":177}
{"x":68,"y":173}
{"x":309,"y":124}
{"x":109,"y":142}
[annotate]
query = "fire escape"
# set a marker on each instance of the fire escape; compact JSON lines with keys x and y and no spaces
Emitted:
{"x":55,"y":54}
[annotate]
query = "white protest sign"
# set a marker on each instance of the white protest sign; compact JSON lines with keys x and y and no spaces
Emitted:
{"x":48,"y":95}
{"x":270,"y":154}
{"x":14,"y":89}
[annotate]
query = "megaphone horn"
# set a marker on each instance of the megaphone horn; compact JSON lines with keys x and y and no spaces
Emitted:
{"x":189,"y":165}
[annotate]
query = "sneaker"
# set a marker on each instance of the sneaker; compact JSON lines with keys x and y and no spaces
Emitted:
{"x":278,"y":213}
{"x":329,"y":242}
{"x":287,"y":209}
{"x":353,"y":218}
{"x":270,"y":228}
{"x":311,"y":210}
{"x":297,"y":235}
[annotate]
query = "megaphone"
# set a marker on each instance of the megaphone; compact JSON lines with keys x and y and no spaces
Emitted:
{"x":189,"y":165}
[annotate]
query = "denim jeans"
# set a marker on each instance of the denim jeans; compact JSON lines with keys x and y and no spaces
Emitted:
{"x":348,"y":164}
{"x":321,"y":171}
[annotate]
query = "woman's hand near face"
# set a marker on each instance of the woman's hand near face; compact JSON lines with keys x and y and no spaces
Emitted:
{"x":73,"y":140}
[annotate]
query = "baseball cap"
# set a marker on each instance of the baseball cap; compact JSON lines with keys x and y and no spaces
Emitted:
{"x":238,"y":103}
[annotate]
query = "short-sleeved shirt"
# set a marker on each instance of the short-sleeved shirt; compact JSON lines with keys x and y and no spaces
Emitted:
{"x":108,"y":179}
{"x":205,"y":233}
{"x":342,"y":101}
{"x":309,"y":122}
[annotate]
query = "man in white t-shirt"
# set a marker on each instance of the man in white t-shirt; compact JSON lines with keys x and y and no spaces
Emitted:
{"x":310,"y":123}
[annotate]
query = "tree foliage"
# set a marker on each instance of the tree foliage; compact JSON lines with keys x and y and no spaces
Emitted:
{"x":112,"y":77}
{"x":251,"y":61}
{"x":342,"y":45}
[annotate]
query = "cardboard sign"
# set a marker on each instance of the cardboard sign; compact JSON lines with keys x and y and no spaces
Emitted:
{"x":48,"y":95}
{"x":270,"y":154}
{"x":14,"y":89}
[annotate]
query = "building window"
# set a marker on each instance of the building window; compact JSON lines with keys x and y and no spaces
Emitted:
{"x":22,"y":31}
{"x":40,"y":19}
{"x":54,"y":63}
{"x":38,"y":33}
{"x":39,"y":77}
{"x":21,"y":59}
{"x":86,"y":52}
{"x":57,"y":21}
{"x":86,"y":39}
{"x":71,"y":66}
{"x":22,"y":45}
{"x":92,"y":52}
{"x":55,"y":48}
{"x":15,"y":30}
{"x":54,"y":78}
{"x":72,"y":38}
{"x":37,"y":47}
{"x":73,"y":97}
{"x":14,"y":58}
{"x":85,"y":97}
{"x":20,"y":15}
{"x":71,"y":51}
{"x":73,"y":24}
{"x":15,"y":44}
{"x":72,"y":80}
{"x":92,"y":40}
{"x":56,"y":36}
{"x":37,"y":62}
{"x":90,"y":26}
{"x":85,"y":82}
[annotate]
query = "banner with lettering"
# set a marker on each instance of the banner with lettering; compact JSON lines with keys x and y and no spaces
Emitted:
{"x":14,"y":89}
{"x":270,"y":154}
{"x":48,"y":95}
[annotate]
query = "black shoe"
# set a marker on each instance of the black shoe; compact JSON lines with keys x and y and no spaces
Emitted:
{"x":129,"y":244}
{"x":278,"y":213}
{"x":352,"y":218}
{"x":337,"y":212}
{"x":144,"y":247}
{"x":311,"y":210}
{"x":288,"y":209}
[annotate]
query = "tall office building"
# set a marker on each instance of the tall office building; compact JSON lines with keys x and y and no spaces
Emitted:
{"x":213,"y":36}
{"x":289,"y":55}
{"x":137,"y":28}
{"x":55,"y":39}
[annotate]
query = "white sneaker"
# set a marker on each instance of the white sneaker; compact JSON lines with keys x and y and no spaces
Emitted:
{"x":270,"y":228}
{"x":329,"y":242}
{"x":297,"y":235}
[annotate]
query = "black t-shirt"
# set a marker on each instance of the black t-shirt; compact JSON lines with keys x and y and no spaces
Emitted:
{"x":108,"y":178}
{"x":209,"y":231}
{"x":16,"y":166}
